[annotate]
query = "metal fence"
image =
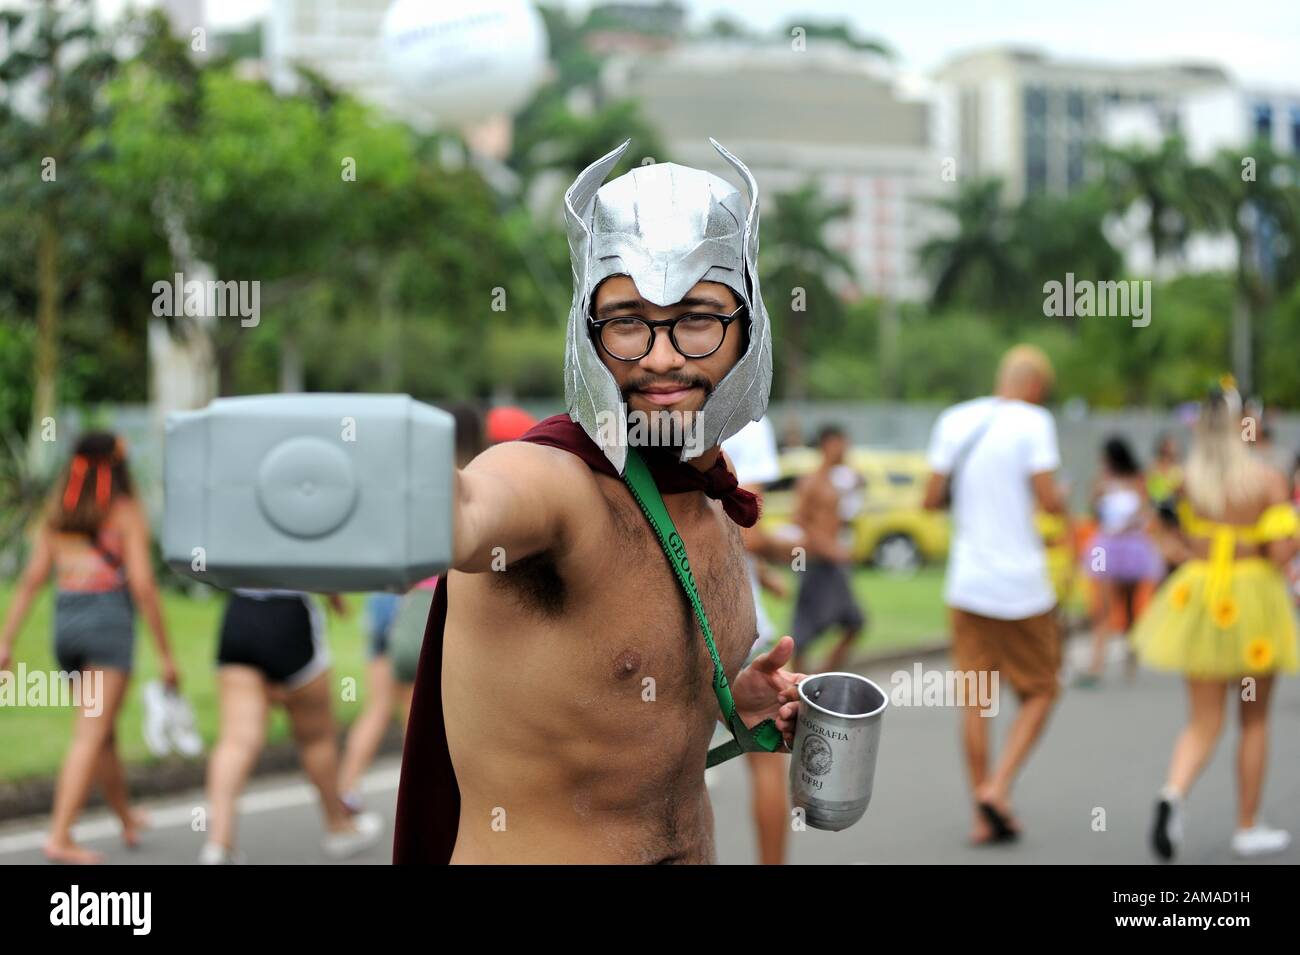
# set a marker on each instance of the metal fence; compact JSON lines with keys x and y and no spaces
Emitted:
{"x":893,"y":426}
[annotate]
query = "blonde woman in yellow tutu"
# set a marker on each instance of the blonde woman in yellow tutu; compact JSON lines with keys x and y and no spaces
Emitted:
{"x":1223,"y":619}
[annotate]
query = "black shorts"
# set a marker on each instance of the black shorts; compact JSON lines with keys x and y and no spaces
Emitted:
{"x":280,"y":636}
{"x":825,"y":600}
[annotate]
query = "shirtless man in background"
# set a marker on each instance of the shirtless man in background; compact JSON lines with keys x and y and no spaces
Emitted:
{"x":576,"y":683}
{"x":825,"y":587}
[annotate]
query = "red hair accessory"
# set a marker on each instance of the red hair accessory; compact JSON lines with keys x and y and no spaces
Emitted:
{"x":103,"y":484}
{"x":76,"y":477}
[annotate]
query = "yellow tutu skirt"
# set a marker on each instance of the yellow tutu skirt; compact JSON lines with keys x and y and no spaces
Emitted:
{"x":1248,"y":628}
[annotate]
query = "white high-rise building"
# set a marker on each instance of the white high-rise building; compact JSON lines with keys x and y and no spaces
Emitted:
{"x":829,"y":114}
{"x":1031,"y":120}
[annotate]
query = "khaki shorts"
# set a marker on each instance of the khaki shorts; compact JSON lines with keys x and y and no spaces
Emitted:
{"x":1025,"y":652}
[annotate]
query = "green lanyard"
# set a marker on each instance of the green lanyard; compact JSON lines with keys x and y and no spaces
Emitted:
{"x":763,"y":738}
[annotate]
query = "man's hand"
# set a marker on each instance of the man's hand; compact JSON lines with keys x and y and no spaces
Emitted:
{"x":170,"y":675}
{"x":765,"y":691}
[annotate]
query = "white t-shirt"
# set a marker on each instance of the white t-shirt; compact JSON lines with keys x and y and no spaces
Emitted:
{"x":996,"y":564}
{"x":754,"y":458}
{"x":753,"y":453}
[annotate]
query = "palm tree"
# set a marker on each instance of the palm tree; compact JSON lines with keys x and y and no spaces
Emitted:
{"x":1055,"y":235}
{"x":976,"y":264}
{"x":1164,"y":180}
{"x":796,"y":255}
{"x":1254,"y":199}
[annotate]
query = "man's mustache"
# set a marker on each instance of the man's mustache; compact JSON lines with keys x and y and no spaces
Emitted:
{"x":675,"y":381}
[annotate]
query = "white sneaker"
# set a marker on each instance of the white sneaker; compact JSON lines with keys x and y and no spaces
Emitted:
{"x":180,"y":726}
{"x":155,"y":719}
{"x":368,"y":828}
{"x":213,"y":853}
{"x":353,"y":803}
{"x":1259,"y":840}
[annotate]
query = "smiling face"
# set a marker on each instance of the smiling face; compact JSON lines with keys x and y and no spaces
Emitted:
{"x":666,"y":380}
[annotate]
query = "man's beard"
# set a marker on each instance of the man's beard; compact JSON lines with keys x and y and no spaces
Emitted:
{"x":663,"y":427}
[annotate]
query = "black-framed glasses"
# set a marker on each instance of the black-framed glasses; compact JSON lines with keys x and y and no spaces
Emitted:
{"x":694,"y":334}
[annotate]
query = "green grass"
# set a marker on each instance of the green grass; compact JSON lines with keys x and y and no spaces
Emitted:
{"x":33,"y":739}
{"x":903,"y":611}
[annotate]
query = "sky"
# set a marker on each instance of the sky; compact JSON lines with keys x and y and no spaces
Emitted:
{"x":1257,"y":40}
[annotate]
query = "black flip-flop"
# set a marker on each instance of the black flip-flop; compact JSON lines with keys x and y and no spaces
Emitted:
{"x":1002,"y":831}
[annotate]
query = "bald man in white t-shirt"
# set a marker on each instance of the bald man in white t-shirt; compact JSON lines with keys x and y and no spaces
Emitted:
{"x":993,"y":463}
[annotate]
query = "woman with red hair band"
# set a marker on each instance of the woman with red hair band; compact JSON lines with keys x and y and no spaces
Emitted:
{"x":95,"y":542}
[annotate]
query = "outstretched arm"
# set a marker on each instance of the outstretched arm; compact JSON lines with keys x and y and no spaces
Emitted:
{"x":522,"y":498}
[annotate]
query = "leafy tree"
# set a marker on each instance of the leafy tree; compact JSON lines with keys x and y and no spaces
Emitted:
{"x":1166,"y":182}
{"x":798,"y":268}
{"x":837,"y":30}
{"x":1056,"y":235}
{"x":51,"y":80}
{"x":976,"y":264}
{"x":1254,"y":199}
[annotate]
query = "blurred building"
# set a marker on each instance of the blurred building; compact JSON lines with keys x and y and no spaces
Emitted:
{"x":1221,"y":117}
{"x":185,"y":15}
{"x":1032,"y":120}
{"x":1209,"y":120}
{"x":635,"y":27}
{"x":338,"y":38}
{"x":828,"y":114}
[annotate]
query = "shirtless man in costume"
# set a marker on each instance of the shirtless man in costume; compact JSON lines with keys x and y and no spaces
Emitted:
{"x":563,"y":710}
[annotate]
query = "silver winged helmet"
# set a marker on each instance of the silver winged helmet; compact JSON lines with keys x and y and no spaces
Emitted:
{"x":667,"y":227}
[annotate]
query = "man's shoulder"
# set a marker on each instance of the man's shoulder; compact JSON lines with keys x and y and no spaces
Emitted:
{"x":1033,"y":421}
{"x":978,"y":409}
{"x":552,"y":478}
{"x":969,"y":410}
{"x":528,"y":460}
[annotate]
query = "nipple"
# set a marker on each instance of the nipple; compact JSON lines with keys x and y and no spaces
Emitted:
{"x":626,"y":664}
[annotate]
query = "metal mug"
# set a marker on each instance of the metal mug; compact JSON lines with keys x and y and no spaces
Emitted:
{"x":833,"y":760}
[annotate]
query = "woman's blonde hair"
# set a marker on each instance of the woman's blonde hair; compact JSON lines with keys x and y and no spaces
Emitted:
{"x":1221,"y":470}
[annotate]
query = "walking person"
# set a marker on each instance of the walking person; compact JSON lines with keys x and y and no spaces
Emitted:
{"x":272,"y":650}
{"x":384,"y":696}
{"x":993,"y":462}
{"x":396,"y":622}
{"x":1122,"y":561}
{"x":95,"y":541}
{"x":1224,"y":618}
{"x":1165,"y":476}
{"x":753,"y":456}
{"x":825,"y":597}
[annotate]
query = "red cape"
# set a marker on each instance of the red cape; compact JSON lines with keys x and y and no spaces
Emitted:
{"x":428,"y":797}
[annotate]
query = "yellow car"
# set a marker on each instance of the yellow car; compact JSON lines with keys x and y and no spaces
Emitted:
{"x":891,"y":529}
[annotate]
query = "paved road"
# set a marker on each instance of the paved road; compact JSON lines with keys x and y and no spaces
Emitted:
{"x":1105,"y":748}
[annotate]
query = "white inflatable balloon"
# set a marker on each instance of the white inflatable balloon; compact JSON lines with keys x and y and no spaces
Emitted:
{"x":466,"y":62}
